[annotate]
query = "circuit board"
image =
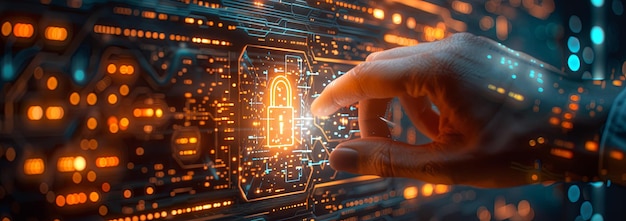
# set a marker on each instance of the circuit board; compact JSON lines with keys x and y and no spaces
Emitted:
{"x":199,"y":110}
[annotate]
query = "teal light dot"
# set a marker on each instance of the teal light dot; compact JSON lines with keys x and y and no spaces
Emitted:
{"x":489,"y":56}
{"x":585,"y":210}
{"x":597,"y":3}
{"x":7,"y":72}
{"x":597,"y":184}
{"x":573,"y":44}
{"x":573,"y":62}
{"x":540,"y":90}
{"x":573,"y":193}
{"x":597,"y":35}
{"x":513,"y":76}
{"x":79,"y":75}
{"x":597,"y":217}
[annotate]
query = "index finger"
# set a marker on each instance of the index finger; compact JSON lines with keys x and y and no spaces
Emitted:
{"x":368,"y":80}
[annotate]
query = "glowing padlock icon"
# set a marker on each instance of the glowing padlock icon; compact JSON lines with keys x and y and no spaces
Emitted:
{"x":280,"y":114}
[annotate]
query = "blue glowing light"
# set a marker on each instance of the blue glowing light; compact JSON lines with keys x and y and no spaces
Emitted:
{"x":573,"y":44}
{"x":489,"y":56}
{"x":79,"y":75}
{"x":573,"y":193}
{"x":597,"y":217}
{"x":573,"y":62}
{"x":597,"y":35}
{"x":513,"y":76}
{"x":597,"y":3}
{"x":7,"y":72}
{"x":585,"y":210}
{"x":597,"y":184}
{"x":540,"y":90}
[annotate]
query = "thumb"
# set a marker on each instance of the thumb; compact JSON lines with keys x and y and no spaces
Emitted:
{"x":388,"y":158}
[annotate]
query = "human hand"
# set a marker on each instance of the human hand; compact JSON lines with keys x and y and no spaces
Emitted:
{"x":494,"y":123}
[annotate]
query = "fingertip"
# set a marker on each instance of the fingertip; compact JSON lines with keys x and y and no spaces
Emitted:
{"x":344,"y":159}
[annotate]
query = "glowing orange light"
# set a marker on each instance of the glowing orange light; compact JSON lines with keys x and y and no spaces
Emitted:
{"x":92,"y":123}
{"x":112,"y":98}
{"x":74,"y":98}
{"x":410,"y":192}
{"x":149,"y":190}
{"x":6,"y":28}
{"x":427,"y":189}
{"x":124,"y":122}
{"x":574,"y":97}
{"x":22,"y":30}
{"x":111,"y":161}
{"x":127,"y":193}
{"x":554,"y":121}
{"x":55,"y":33}
{"x":94,"y":196}
{"x":158,"y":112}
{"x":60,"y":200}
{"x":440,"y":188}
{"x":396,"y":18}
{"x":379,"y":14}
{"x":573,"y":106}
{"x":124,"y":90}
{"x":52,"y":83}
{"x":591,"y":146}
{"x":462,"y":7}
{"x":111,"y":68}
{"x":54,"y":113}
{"x":92,"y":99}
{"x":35,"y":113}
{"x":567,"y":125}
{"x":616,"y":155}
{"x":567,"y":154}
{"x":69,"y":164}
{"x":34,"y":166}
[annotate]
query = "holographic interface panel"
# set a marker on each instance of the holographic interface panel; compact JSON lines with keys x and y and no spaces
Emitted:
{"x":175,"y":110}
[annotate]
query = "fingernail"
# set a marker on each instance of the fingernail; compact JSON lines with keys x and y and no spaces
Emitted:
{"x":345,"y":159}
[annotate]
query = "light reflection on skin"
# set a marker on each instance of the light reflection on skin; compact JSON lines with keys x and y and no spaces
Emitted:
{"x":504,"y":117}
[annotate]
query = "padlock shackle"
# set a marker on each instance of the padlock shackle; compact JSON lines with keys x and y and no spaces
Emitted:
{"x":280,"y":79}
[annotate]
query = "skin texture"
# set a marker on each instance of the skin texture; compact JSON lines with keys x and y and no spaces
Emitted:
{"x":480,"y":134}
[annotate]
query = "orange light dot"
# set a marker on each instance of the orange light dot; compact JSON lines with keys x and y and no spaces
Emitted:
{"x":74,"y":98}
{"x":124,"y":122}
{"x":34,"y":166}
{"x":55,"y":33}
{"x":396,"y":18}
{"x":52,"y":83}
{"x":111,"y":68}
{"x":130,"y":69}
{"x":124,"y":90}
{"x":591,"y":146}
{"x":106,"y":187}
{"x":127,"y":193}
{"x":574,"y":97}
{"x":158,"y":113}
{"x":94,"y":196}
{"x":427,"y":189}
{"x":6,"y":28}
{"x":35,"y":113}
{"x":554,"y":121}
{"x":137,"y":112}
{"x":92,"y":123}
{"x":79,"y":163}
{"x":615,"y":154}
{"x":379,"y":14}
{"x":410,"y":192}
{"x":92,"y":99}
{"x":112,"y":99}
{"x":60,"y":200}
{"x":534,"y":177}
{"x":440,"y":188}
{"x":149,"y":190}
{"x":123,"y":69}
{"x":77,"y":178}
{"x":22,"y":30}
{"x":54,"y":113}
{"x":573,"y":106}
{"x":91,"y":176}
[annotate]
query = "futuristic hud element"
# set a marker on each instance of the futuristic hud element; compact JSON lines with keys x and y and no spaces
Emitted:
{"x":172,"y":110}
